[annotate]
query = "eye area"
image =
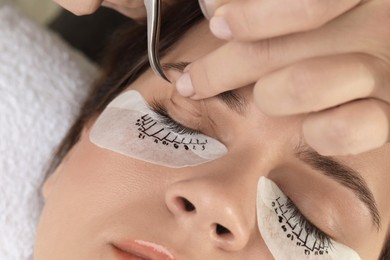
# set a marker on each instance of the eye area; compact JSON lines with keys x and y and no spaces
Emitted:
{"x":164,"y":117}
{"x":320,"y":237}
{"x":174,"y":126}
{"x":306,"y":225}
{"x":287,"y":233}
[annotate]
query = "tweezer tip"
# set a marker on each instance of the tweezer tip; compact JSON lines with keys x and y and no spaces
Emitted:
{"x":165,"y":78}
{"x":156,"y":67}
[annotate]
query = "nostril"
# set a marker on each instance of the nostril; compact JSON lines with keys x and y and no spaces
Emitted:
{"x":222,"y":231}
{"x":189,"y":207}
{"x":186,"y":204}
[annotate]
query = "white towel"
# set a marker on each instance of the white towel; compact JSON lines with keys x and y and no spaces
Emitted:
{"x":42,"y":84}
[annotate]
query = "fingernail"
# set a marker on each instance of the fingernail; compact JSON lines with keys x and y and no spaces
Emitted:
{"x":207,"y":7}
{"x":220,"y":28}
{"x":184,"y":85}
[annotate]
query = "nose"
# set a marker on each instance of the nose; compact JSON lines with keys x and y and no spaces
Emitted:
{"x":202,"y":206}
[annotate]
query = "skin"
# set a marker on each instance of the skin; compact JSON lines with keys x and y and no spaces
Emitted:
{"x":98,"y":197}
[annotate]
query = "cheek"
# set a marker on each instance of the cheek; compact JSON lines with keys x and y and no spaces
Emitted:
{"x":95,"y":189}
{"x":93,"y":176}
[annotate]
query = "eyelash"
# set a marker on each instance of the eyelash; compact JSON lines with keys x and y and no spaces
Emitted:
{"x":307,"y":225}
{"x":169,"y":122}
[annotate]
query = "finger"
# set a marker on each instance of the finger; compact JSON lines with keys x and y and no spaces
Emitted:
{"x":322,"y":83}
{"x":235,"y":64}
{"x":136,"y":13}
{"x":254,"y":20}
{"x":128,"y":4}
{"x":208,"y":7}
{"x":349,"y":129}
{"x":80,"y":7}
{"x":238,"y":64}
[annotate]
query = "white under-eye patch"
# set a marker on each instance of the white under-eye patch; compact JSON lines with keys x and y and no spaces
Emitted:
{"x":129,"y":127}
{"x":284,"y":234}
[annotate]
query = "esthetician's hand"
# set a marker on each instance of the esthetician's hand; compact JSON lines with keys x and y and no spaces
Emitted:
{"x":134,"y":9}
{"x":328,"y":58}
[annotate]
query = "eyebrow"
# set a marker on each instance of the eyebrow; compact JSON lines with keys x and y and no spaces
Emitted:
{"x":233,"y":100}
{"x":343,"y":174}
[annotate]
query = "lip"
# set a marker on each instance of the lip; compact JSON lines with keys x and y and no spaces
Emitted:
{"x":141,"y":250}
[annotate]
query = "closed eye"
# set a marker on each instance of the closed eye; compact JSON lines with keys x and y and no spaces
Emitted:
{"x":162,"y":113}
{"x":306,"y":225}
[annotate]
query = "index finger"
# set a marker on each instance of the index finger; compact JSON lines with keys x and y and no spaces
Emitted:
{"x":236,"y":64}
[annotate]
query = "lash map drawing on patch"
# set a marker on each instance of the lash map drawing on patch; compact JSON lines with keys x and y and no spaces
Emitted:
{"x":129,"y":126}
{"x":149,"y":127}
{"x":284,"y":234}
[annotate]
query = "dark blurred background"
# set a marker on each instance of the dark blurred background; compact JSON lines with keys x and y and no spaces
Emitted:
{"x":89,"y":34}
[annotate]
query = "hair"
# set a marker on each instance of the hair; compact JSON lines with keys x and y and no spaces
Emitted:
{"x":125,"y":60}
{"x":385,"y":254}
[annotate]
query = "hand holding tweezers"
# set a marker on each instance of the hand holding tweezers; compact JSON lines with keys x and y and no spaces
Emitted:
{"x":153,"y":12}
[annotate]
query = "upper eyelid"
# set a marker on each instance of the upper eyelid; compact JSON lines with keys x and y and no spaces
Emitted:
{"x":204,"y":124}
{"x":159,"y":108}
{"x":307,"y":220}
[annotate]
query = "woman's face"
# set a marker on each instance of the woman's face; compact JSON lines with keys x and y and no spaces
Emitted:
{"x":98,"y":199}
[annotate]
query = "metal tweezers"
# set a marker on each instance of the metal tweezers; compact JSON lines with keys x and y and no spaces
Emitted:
{"x":153,"y":12}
